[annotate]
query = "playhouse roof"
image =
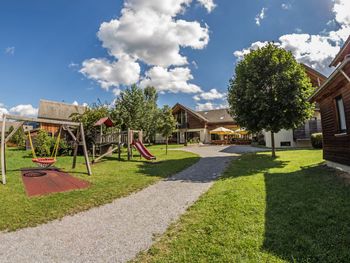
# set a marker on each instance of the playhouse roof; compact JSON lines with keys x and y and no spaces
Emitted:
{"x":58,"y":110}
{"x":106,"y":121}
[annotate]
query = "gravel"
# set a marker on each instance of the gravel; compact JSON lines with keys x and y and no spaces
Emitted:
{"x":118,"y":231}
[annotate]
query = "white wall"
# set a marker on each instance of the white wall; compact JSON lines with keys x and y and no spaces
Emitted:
{"x":282,"y":136}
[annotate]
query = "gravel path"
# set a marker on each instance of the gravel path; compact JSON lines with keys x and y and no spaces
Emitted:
{"x":117,"y":232}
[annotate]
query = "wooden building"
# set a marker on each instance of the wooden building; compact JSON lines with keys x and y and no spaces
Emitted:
{"x":333,"y":98}
{"x":196,"y":125}
{"x":57,"y":111}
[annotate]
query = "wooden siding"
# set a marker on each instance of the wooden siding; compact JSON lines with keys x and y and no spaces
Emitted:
{"x":336,"y":147}
{"x":194,"y":122}
{"x":51,"y":128}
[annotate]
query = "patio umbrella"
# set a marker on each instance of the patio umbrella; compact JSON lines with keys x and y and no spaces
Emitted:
{"x":242,"y":131}
{"x":222,"y":131}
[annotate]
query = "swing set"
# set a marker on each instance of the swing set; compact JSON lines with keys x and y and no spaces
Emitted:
{"x":45,"y":162}
{"x":78,"y":138}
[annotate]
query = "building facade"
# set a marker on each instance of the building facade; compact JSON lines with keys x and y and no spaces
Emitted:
{"x":195,"y":126}
{"x":333,"y":98}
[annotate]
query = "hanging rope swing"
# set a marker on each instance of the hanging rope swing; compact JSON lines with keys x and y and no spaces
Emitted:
{"x":45,"y":162}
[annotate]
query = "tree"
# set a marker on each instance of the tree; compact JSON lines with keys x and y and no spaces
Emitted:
{"x":91,"y":115}
{"x":150,"y":113}
{"x":166,"y":124}
{"x":129,"y":108}
{"x":19,"y":138}
{"x":270,"y":91}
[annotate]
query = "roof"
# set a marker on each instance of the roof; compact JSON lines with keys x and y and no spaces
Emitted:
{"x":344,"y":51}
{"x":317,"y":78}
{"x":209,"y":116}
{"x":106,"y":121}
{"x":217,"y":116}
{"x":58,"y":110}
{"x":178,"y":105}
{"x":336,"y":72}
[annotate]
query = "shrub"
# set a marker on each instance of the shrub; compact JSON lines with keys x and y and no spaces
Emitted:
{"x":316,"y":140}
{"x":19,"y":138}
{"x":65,"y":149}
{"x":43,"y":144}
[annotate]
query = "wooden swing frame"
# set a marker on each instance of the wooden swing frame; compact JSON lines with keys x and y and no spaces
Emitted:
{"x":78,"y":138}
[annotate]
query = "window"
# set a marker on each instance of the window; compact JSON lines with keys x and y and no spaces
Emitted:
{"x":341,"y":114}
{"x":286,"y":144}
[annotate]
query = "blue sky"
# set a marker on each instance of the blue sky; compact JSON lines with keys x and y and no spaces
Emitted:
{"x":44,"y":45}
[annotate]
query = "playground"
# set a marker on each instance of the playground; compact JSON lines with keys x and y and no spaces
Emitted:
{"x":110,"y":179}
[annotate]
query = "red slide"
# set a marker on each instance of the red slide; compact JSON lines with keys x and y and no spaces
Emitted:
{"x":143,"y":150}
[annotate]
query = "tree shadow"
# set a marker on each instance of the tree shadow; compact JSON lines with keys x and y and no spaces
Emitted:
{"x":307,"y":216}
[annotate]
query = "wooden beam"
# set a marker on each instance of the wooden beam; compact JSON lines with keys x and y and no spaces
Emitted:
{"x":345,"y":75}
{"x":76,"y":146}
{"x":2,"y":150}
{"x":86,"y":156}
{"x":105,"y":154}
{"x":41,"y":120}
{"x":14,"y":131}
{"x":70,"y":133}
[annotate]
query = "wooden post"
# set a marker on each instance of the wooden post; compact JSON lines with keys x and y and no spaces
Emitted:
{"x":76,"y":146}
{"x":119,"y":144}
{"x":2,"y":152}
{"x":86,"y":156}
{"x":129,"y":144}
{"x":93,"y":152}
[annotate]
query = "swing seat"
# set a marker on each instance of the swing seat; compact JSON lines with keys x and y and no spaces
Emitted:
{"x":44,"y":162}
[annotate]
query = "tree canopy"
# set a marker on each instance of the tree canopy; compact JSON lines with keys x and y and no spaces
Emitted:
{"x":167,"y":123}
{"x":269,"y":91}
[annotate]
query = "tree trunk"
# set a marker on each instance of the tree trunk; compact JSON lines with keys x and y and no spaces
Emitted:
{"x":273,"y":144}
{"x":166,"y":146}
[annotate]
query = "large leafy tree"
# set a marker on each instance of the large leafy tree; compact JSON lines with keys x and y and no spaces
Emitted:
{"x":130,"y":108}
{"x":270,"y":91}
{"x":150,"y":113}
{"x":166,"y":124}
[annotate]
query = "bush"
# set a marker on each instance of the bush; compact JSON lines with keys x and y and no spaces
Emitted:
{"x":19,"y":138}
{"x":316,"y":140}
{"x":43,"y":144}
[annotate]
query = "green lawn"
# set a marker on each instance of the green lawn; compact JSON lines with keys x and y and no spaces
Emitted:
{"x":290,"y":209}
{"x":111,"y":179}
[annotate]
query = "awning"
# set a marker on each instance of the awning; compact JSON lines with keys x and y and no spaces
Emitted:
{"x":222,"y":131}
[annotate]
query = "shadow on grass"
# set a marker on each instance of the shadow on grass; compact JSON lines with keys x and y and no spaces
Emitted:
{"x":307,"y":216}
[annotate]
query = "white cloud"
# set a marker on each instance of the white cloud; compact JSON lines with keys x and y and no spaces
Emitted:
{"x":341,"y":10}
{"x":254,"y":46}
{"x":173,"y":80}
{"x":210,"y":106}
{"x":75,"y":103}
{"x":3,"y":110}
{"x":208,"y":4}
{"x":125,"y":71}
{"x":116,"y":92}
{"x":261,"y":16}
{"x":10,"y":50}
{"x":212,"y":94}
{"x":73,"y":65}
{"x":316,"y":50}
{"x":24,"y":110}
{"x":146,"y":32}
{"x":286,"y":6}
